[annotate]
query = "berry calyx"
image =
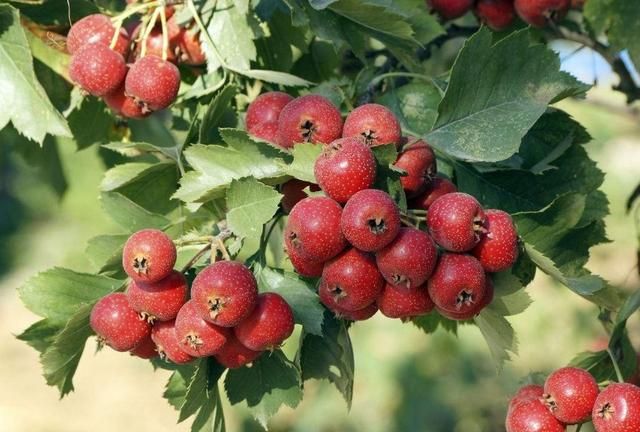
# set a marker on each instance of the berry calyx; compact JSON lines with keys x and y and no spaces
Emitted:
{"x":374,"y":123}
{"x":293,"y":192}
{"x":146,"y":349}
{"x":160,"y":300}
{"x":96,"y":29}
{"x":370,"y":220}
{"x":532,"y":416}
{"x":225,"y":293}
{"x":450,"y":9}
{"x":167,"y":343}
{"x":470,"y":313}
{"x":309,"y":119}
{"x":617,"y":409}
{"x":456,"y":222}
{"x":234,"y":355}
{"x":498,"y":248}
{"x":148,"y":256}
{"x":497,"y":14}
{"x":268,"y":326}
{"x":97,"y":69}
{"x":435,"y":189}
{"x":153,"y":83}
{"x":266,"y":108}
{"x":419,"y":162}
{"x":400,"y":302}
{"x":570,"y":394}
{"x":117,"y":324}
{"x":344,"y":167}
{"x":539,"y":12}
{"x":196,"y":336}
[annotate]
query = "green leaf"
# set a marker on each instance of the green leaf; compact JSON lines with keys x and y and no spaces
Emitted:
{"x":271,"y":381}
{"x":415,"y":105}
{"x":127,"y":173}
{"x":499,"y":335}
{"x":41,"y":334}
{"x":130,"y":215}
{"x":276,"y":77}
{"x":304,"y":159}
{"x":25,"y":102}
{"x":176,"y":388}
{"x":430,"y":322}
{"x":510,"y":298}
{"x":214,"y":113}
{"x":90,"y":123}
{"x":495,"y":95}
{"x":210,"y":418}
{"x":204,"y":378}
{"x":58,"y":293}
{"x":329,"y":356}
{"x":620,"y":20}
{"x":303,"y":300}
{"x":105,"y":252}
{"x":55,"y":12}
{"x":387,"y":176}
{"x":132,"y":149}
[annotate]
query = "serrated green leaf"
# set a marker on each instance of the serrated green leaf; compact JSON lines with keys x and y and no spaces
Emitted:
{"x":41,"y":334}
{"x":132,"y":149}
{"x":204,"y":378}
{"x":105,"y":252}
{"x":387,"y":176}
{"x":130,"y":215}
{"x":210,"y":418}
{"x":127,"y":173}
{"x":90,"y":123}
{"x":176,"y":388}
{"x":499,"y":335}
{"x":276,"y":77}
{"x":430,"y":322}
{"x":620,"y":20}
{"x":214,"y":113}
{"x":415,"y":105}
{"x":304,"y":159}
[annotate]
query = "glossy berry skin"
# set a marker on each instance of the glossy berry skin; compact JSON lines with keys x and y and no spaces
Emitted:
{"x":293,"y":192}
{"x":190,"y":48}
{"x":350,"y":282}
{"x":497,"y":14}
{"x":419,"y":162}
{"x":400,"y":302}
{"x":498,"y":247}
{"x":268,"y":326}
{"x":539,"y":12}
{"x":370,"y":220}
{"x":374,"y":123}
{"x":305,"y":267}
{"x":450,"y":9}
{"x":265,"y":131}
{"x":532,"y":416}
{"x":570,"y":394}
{"x":148,"y":256}
{"x":409,"y":259}
{"x":470,"y":313}
{"x":526,"y":393}
{"x":117,"y":324}
{"x":456,"y":222}
{"x":197,"y":337}
{"x":345,"y":167}
{"x":359,"y":315}
{"x":96,"y":29}
{"x":97,"y":69}
{"x":123,"y":105}
{"x":435,"y":189}
{"x":266,"y":108}
{"x":225,"y":292}
{"x":310,"y":118}
{"x":234,"y":355}
{"x":169,"y":348}
{"x":457,"y":285}
{"x":153,"y":82}
{"x":146,"y":349}
{"x":313,"y":229}
{"x":617,"y":409}
{"x":160,"y":300}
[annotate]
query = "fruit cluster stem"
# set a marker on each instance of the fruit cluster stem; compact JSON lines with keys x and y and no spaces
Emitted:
{"x":165,"y":33}
{"x":148,"y":29}
{"x":134,"y":10}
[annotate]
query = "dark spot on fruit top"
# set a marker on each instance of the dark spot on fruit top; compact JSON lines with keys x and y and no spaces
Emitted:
{"x":216,"y":306}
{"x":193,"y":341}
{"x":401,"y":280}
{"x":141,"y":265}
{"x":307,"y":130}
{"x":369,"y":136}
{"x":377,"y":226}
{"x":606,"y":412}
{"x":465,"y":298}
{"x":338,"y":292}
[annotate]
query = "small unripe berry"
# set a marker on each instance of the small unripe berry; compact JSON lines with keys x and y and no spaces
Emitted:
{"x":374,"y":123}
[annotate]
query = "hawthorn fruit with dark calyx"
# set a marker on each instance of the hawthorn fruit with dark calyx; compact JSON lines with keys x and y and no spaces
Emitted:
{"x":468,"y":314}
{"x":268,"y":326}
{"x":190,"y":48}
{"x":266,"y":108}
{"x":419,"y":162}
{"x":498,"y":248}
{"x":117,"y":324}
{"x":538,"y":13}
{"x":146,"y":349}
{"x":225,"y":293}
{"x":438,"y":187}
{"x":374,"y":123}
{"x":345,"y":167}
{"x":359,"y":315}
{"x":309,"y":119}
{"x":526,"y":393}
{"x":617,"y":409}
{"x":400,"y":302}
{"x":293,"y":192}
{"x":148,"y":256}
{"x":233,"y":354}
{"x":450,"y":9}
{"x":153,"y":83}
{"x":124,"y":105}
{"x":497,"y":14}
{"x":305,"y":267}
{"x":350,"y":282}
{"x":456,"y":222}
{"x":532,"y":416}
{"x":160,"y":300}
{"x":96,"y":29}
{"x":370,"y":220}
{"x":97,"y":69}
{"x":166,"y":340}
{"x":197,"y":337}
{"x":570,"y":393}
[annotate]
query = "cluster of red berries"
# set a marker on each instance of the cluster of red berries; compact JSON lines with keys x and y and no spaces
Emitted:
{"x":571,"y":396}
{"x":500,"y":14}
{"x":133,"y":80}
{"x":366,"y":259}
{"x":225,"y":316}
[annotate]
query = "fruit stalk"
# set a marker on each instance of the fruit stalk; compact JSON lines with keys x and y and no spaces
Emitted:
{"x":148,"y":29}
{"x":615,"y":366}
{"x":165,"y":33}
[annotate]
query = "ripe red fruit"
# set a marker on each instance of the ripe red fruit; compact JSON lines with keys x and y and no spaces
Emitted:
{"x":532,"y":416}
{"x":375,"y":123}
{"x":617,"y":409}
{"x":225,"y":293}
{"x":124,"y":105}
{"x":451,"y":9}
{"x":409,"y":260}
{"x":570,"y":394}
{"x":370,"y":220}
{"x":309,"y":118}
{"x":539,"y":12}
{"x":97,"y":69}
{"x":350,"y":282}
{"x":160,"y":300}
{"x":401,"y":302}
{"x":526,"y":393}
{"x":497,"y":14}
{"x":468,"y":314}
{"x":148,"y":256}
{"x":359,"y":315}
{"x":345,"y":167}
{"x":234,"y":355}
{"x":303,"y":266}
{"x":457,"y":285}
{"x":456,"y":221}
{"x":313,"y":229}
{"x":196,"y":336}
{"x":96,"y":29}
{"x":293,"y":192}
{"x":155,"y":45}
{"x":146,"y":349}
{"x":435,"y":189}
{"x":268,"y":326}
{"x":498,"y":248}
{"x":117,"y":324}
{"x":265,"y":131}
{"x":266,"y":108}
{"x":153,"y":82}
{"x":164,"y":336}
{"x":419,"y":161}
{"x":190,"y":48}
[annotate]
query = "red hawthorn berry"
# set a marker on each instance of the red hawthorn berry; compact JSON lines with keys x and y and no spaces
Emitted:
{"x":468,"y":314}
{"x":153,"y":82}
{"x":419,"y":162}
{"x":435,"y":189}
{"x":497,"y":14}
{"x":539,"y":12}
{"x":350,"y":282}
{"x":155,"y":46}
{"x":124,"y":105}
{"x":160,"y":300}
{"x":265,"y":131}
{"x":225,"y":293}
{"x":498,"y":248}
{"x":359,"y":315}
{"x":197,"y":337}
{"x":96,"y":29}
{"x":375,"y":123}
{"x":456,"y":222}
{"x":617,"y":409}
{"x":268,"y":326}
{"x":148,"y":256}
{"x":97,"y":69}
{"x":526,"y":393}
{"x":146,"y":349}
{"x":234,"y":355}
{"x":400,"y":302}
{"x":190,"y":48}
{"x":266,"y":108}
{"x":117,"y":324}
{"x":450,"y":9}
{"x":532,"y":416}
{"x":344,"y":167}
{"x":293,"y":192}
{"x":169,"y":348}
{"x":570,"y":394}
{"x":310,"y":118}
{"x":305,"y":267}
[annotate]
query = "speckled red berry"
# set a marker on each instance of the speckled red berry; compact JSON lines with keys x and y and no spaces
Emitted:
{"x":470,"y":313}
{"x":266,"y":108}
{"x":526,"y":393}
{"x":117,"y":324}
{"x":153,"y":82}
{"x":313,"y":229}
{"x":570,"y":394}
{"x":160,"y":300}
{"x":344,"y":167}
{"x":419,"y":162}
{"x":190,"y":48}
{"x":350,"y":282}
{"x":401,"y":302}
{"x":124,"y":105}
{"x":539,"y":12}
{"x":146,"y":349}
{"x":148,"y":256}
{"x":293,"y":192}
{"x":498,"y":247}
{"x":268,"y":326}
{"x":617,"y":409}
{"x":97,"y":69}
{"x":450,"y":9}
{"x":435,"y":189}
{"x":265,"y":131}
{"x":532,"y":416}
{"x":456,"y":222}
{"x":155,"y":46}
{"x":96,"y":29}
{"x":409,"y":260}
{"x":359,"y":315}
{"x":164,"y":336}
{"x":497,"y":14}
{"x":375,"y":123}
{"x":234,"y":355}
{"x":303,"y":266}
{"x":310,"y":118}
{"x":196,"y":336}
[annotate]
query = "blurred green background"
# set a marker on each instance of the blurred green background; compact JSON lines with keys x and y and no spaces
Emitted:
{"x":405,"y":380}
